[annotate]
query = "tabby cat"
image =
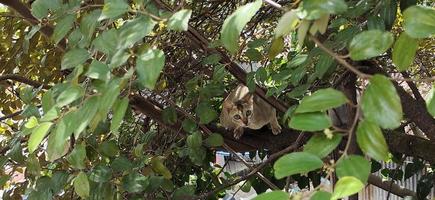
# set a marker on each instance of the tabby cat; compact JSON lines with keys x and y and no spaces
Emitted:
{"x":242,"y":109}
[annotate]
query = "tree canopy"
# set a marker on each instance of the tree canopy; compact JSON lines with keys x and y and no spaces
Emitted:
{"x":117,"y":99}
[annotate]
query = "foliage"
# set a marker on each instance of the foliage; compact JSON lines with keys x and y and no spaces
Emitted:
{"x":70,"y":124}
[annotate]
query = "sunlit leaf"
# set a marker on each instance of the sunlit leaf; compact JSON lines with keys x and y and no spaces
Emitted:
{"x":89,"y":22}
{"x":419,"y":21}
{"x":69,"y":95}
{"x":296,"y":163}
{"x":321,"y":195}
{"x":346,"y":186}
{"x":321,"y":100}
{"x":98,"y":70}
{"x":149,"y":64}
{"x":38,"y":134}
{"x":430,"y":102}
{"x":179,"y":21}
{"x":135,"y":30}
{"x":234,"y":24}
{"x":286,"y":23}
{"x":369,"y":44}
{"x":404,"y":51}
{"x":316,"y":8}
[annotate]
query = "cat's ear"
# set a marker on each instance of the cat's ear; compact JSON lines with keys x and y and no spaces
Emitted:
{"x":248,"y":97}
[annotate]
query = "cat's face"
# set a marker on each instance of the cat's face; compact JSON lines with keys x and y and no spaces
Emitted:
{"x":241,"y":111}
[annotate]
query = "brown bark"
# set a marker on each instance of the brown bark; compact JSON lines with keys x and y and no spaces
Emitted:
{"x":25,"y":80}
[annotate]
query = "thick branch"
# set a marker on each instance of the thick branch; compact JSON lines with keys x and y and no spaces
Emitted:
{"x":21,"y":79}
{"x":390,"y":186}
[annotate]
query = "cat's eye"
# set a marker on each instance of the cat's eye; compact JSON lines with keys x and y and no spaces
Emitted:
{"x":248,"y":112}
{"x":237,"y":117}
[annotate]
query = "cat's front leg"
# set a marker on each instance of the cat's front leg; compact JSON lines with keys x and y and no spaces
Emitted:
{"x":238,"y":132}
{"x":274,"y":125}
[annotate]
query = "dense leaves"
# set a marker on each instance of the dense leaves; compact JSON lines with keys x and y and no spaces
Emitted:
{"x":112,"y":99}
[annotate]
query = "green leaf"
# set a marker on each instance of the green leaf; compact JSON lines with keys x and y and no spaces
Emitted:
{"x":321,"y":195}
{"x":430,"y":101}
{"x":371,"y":140}
{"x":276,"y":47}
{"x":375,"y":22}
{"x":47,"y":101}
{"x":316,"y":8}
{"x":135,"y":30}
{"x":148,"y":66}
{"x":52,"y":114}
{"x":369,"y":44}
{"x":121,"y":164}
{"x":57,"y":142}
{"x":189,"y":125}
{"x":89,"y":22}
{"x":40,"y":7}
{"x":206,"y":113}
{"x":388,"y":12}
{"x":234,"y":24}
{"x":3,"y":180}
{"x":119,"y":110}
{"x":179,"y":21}
{"x":381,"y":103}
{"x":98,"y":70}
{"x":107,"y":42}
{"x":109,"y":148}
{"x":86,"y":113}
{"x":275,"y":195}
{"x":286,"y":24}
{"x":77,"y":156}
{"x":38,"y":134}
{"x":31,"y":123}
{"x":169,"y":115}
{"x":321,"y":146}
{"x":419,"y":21}
{"x":214,"y":140}
{"x":63,"y":26}
{"x":74,"y":58}
{"x":354,"y":165}
{"x":113,"y":8}
{"x":404,"y":51}
{"x":81,"y":185}
{"x":346,"y":186}
{"x":69,"y":95}
{"x":119,"y":58}
{"x":296,"y":163}
{"x":100,"y":174}
{"x":135,"y":182}
{"x":194,"y":141}
{"x":322,"y":100}
{"x":316,"y":121}
{"x":158,"y":167}
{"x":33,"y":166}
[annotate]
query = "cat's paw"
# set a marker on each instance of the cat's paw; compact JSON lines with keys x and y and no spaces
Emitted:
{"x":276,"y":129}
{"x":238,"y":132}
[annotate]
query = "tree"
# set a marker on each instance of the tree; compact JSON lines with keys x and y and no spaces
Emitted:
{"x":119,"y":99}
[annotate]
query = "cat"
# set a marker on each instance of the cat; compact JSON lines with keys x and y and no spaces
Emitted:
{"x":243,"y":109}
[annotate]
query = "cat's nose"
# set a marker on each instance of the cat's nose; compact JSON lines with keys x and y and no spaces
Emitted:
{"x":245,"y":121}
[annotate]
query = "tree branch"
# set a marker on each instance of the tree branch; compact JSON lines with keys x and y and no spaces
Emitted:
{"x":25,"y":80}
{"x":390,"y":186}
